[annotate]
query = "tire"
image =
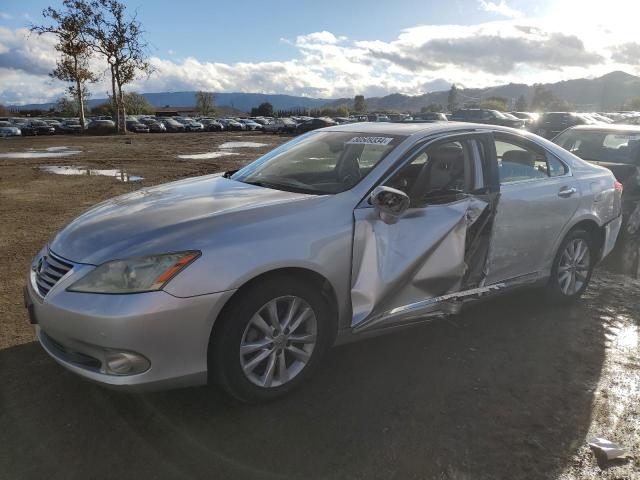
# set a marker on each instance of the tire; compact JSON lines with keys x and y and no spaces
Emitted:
{"x":572,"y":267}
{"x":259,"y":375}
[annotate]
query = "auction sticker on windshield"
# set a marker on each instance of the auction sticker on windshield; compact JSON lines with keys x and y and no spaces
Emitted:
{"x":370,"y":141}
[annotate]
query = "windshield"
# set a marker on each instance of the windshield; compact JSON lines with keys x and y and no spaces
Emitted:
{"x":319,"y":163}
{"x":602,"y":146}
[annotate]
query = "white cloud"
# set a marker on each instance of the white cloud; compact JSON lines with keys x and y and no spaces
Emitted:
{"x":5,"y":16}
{"x":500,"y":8}
{"x":419,"y":59}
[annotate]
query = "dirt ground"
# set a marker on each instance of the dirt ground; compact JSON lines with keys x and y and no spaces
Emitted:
{"x":511,"y":388}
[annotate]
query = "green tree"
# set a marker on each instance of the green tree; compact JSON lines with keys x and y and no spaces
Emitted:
{"x":68,"y":105}
{"x":494,"y":103}
{"x":432,"y":107}
{"x":120,"y":39}
{"x":452,"y":98}
{"x":70,"y":26}
{"x":137,"y":104}
{"x":265,"y":109}
{"x":104,"y":109}
{"x":205,"y":103}
{"x":545,"y":101}
{"x":632,"y":104}
{"x":359,"y":104}
{"x":342,"y":111}
{"x":521,"y":104}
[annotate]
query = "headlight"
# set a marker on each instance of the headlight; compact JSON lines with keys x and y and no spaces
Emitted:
{"x":134,"y":275}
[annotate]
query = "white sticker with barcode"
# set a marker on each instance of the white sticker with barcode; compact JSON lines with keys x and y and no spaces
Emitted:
{"x":370,"y":141}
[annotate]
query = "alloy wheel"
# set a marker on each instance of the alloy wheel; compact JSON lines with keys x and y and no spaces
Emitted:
{"x":278,"y":341}
{"x":574,"y":266}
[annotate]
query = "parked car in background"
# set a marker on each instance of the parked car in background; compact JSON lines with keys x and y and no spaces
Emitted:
{"x":211,"y":125}
{"x":172,"y":125}
{"x":250,"y":124}
{"x":489,"y":117}
{"x":616,"y":147}
{"x":190,"y":125}
{"x":155,"y":125}
{"x":280,"y":125}
{"x":552,"y":123}
{"x":260,"y":120}
{"x":7,"y":129}
{"x":136,"y":127}
{"x":531,"y":116}
{"x":149,"y":291}
{"x":71,"y":126}
{"x":39,"y":127}
{"x":428,"y":117}
{"x":314,"y":124}
{"x":231,"y":124}
{"x":101,"y":127}
{"x":56,"y":124}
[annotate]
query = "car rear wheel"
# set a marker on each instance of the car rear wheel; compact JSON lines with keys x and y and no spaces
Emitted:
{"x":572,"y":267}
{"x":269,"y":340}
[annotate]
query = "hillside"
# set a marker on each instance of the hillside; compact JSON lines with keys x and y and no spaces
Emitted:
{"x":608,"y":92}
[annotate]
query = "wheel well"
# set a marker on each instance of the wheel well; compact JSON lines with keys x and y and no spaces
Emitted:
{"x":303,"y":275}
{"x":596,"y":233}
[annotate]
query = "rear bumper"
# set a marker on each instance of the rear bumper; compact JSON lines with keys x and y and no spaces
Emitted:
{"x":611,"y":231}
{"x":80,"y":330}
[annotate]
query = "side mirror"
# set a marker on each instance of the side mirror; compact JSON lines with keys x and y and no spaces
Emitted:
{"x":391,"y":203}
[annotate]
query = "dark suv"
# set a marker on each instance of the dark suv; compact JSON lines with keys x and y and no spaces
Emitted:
{"x":490,"y":117}
{"x":552,"y":123}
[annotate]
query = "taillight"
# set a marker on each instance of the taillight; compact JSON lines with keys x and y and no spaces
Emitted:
{"x":618,"y":186}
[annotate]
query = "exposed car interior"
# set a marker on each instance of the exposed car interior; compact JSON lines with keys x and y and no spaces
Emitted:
{"x":437,"y":175}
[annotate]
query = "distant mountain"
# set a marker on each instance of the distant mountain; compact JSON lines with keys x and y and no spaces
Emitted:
{"x":238,"y":101}
{"x":608,"y":92}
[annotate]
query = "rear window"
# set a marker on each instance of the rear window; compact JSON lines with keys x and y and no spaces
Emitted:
{"x":602,"y":146}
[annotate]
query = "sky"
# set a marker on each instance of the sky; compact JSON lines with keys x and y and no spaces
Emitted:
{"x":332,"y":49}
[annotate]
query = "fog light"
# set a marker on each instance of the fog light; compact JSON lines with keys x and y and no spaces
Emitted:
{"x":125,"y":363}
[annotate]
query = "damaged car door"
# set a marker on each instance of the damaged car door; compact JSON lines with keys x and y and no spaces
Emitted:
{"x":421,"y":238}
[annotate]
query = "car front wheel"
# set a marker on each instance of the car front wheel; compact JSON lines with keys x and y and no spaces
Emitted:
{"x":269,"y":340}
{"x":572,"y":267}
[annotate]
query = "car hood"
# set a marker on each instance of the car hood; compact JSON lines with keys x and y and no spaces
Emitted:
{"x":181,"y":215}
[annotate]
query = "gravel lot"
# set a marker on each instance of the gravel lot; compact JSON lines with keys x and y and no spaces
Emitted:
{"x":509,"y":389}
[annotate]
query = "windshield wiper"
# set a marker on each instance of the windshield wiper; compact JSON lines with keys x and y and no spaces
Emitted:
{"x":284,"y":187}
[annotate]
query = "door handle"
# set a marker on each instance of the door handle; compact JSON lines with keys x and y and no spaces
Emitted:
{"x":566,"y":192}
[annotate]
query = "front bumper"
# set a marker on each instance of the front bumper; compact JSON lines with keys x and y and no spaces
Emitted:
{"x":79,"y":331}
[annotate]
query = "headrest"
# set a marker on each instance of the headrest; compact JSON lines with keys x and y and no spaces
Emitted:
{"x":520,"y":157}
{"x":446,"y":152}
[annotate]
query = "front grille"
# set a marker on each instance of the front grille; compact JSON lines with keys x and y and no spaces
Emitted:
{"x":49,"y":270}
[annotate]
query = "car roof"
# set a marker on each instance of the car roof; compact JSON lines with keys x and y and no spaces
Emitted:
{"x":418,"y":129}
{"x":608,"y":127}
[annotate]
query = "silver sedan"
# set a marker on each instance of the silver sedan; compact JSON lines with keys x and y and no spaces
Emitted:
{"x":245,"y":279}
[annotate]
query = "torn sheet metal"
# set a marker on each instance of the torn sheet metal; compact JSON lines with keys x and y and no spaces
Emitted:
{"x":421,"y":257}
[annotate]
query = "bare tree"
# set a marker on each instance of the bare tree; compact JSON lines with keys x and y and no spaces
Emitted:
{"x":69,"y":25}
{"x":120,"y":39}
{"x":205,"y":103}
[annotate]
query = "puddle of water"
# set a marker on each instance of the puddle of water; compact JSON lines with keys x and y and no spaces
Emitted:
{"x":51,"y":152}
{"x":118,"y":174}
{"x":204,"y":156}
{"x":243,"y":145}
